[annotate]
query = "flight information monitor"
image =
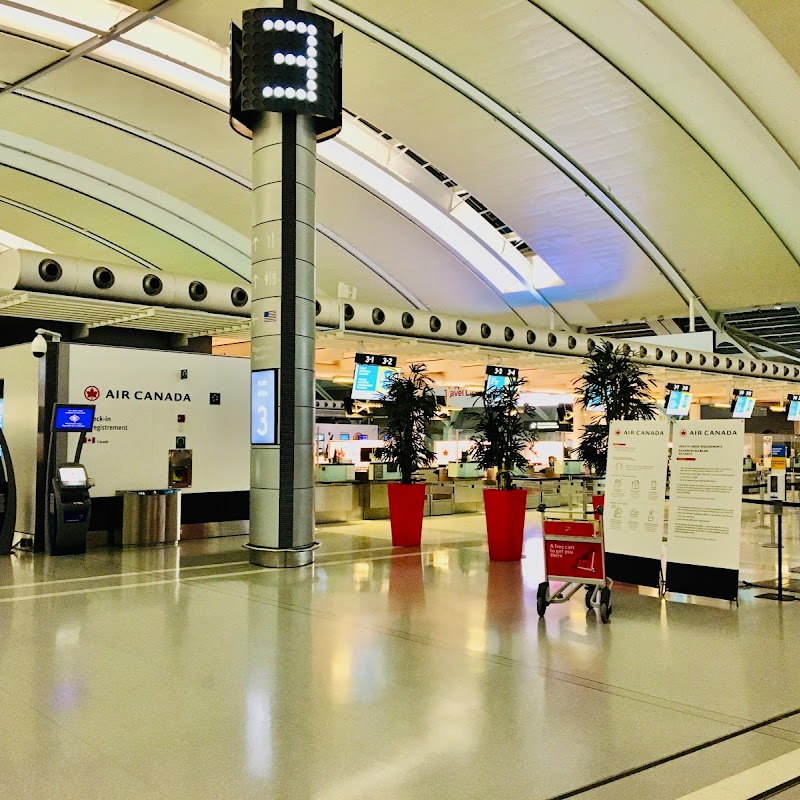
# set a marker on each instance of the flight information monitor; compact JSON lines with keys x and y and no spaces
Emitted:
{"x":498,"y":377}
{"x":264,"y":406}
{"x":73,"y":419}
{"x":743,"y":403}
{"x":794,"y":408}
{"x":373,"y":375}
{"x":678,"y":400}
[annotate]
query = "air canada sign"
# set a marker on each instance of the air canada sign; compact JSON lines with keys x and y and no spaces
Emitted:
{"x":93,"y":393}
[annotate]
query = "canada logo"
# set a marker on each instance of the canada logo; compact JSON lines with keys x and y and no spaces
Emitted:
{"x":617,"y":432}
{"x":684,"y":432}
{"x":91,"y":393}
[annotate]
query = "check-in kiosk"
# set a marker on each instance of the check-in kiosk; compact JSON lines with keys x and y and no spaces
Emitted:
{"x":8,"y":498}
{"x":69,"y":505}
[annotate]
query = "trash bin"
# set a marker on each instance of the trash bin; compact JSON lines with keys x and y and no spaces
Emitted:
{"x":150,"y":517}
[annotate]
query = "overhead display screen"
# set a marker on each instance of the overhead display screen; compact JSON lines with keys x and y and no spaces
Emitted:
{"x":794,"y":408}
{"x":743,"y":403}
{"x":264,"y":406}
{"x":743,"y":407}
{"x":498,"y":377}
{"x":373,"y":376}
{"x":73,"y":419}
{"x":679,"y":398}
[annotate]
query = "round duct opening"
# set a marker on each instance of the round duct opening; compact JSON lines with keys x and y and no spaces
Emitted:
{"x":552,"y":340}
{"x":689,"y":358}
{"x":378,"y":316}
{"x":486,"y":331}
{"x":572,"y":342}
{"x":239,"y":297}
{"x":702,"y":360}
{"x":436,"y":324}
{"x":673,"y":356}
{"x":642,"y":352}
{"x":659,"y":354}
{"x":319,"y":308}
{"x":349,"y":312}
{"x":50,"y":270}
{"x":715,"y":361}
{"x":508,"y":334}
{"x":103,"y":278}
{"x":407,"y":320}
{"x":152,"y":285}
{"x":531,"y":337}
{"x":197,"y":291}
{"x":589,"y":345}
{"x":461,"y":327}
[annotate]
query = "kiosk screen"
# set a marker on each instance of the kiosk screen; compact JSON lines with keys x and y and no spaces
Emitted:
{"x":794,"y":409}
{"x":73,"y":477}
{"x":74,"y":419}
{"x":678,"y":400}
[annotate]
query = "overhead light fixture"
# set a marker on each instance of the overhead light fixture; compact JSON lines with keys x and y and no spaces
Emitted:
{"x":779,"y":409}
{"x":438,"y":223}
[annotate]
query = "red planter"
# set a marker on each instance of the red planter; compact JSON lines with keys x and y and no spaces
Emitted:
{"x":406,"y":504}
{"x":505,"y":522}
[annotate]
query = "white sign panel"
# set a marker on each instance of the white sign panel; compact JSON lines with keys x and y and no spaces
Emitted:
{"x":705,"y":514}
{"x":144,"y":407}
{"x":636,"y":479}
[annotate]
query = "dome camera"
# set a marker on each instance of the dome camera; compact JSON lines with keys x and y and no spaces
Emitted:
{"x":39,"y":346}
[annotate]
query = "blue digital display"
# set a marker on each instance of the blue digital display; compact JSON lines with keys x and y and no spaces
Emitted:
{"x":373,"y":376}
{"x":678,"y":403}
{"x":264,"y":406}
{"x":794,"y":411}
{"x":73,"y":419}
{"x":743,"y":408}
{"x":499,"y":377}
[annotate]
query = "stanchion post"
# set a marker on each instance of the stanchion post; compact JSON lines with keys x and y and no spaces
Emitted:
{"x":777,"y":511}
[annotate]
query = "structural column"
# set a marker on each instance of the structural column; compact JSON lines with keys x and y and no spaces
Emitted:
{"x":283,"y":326}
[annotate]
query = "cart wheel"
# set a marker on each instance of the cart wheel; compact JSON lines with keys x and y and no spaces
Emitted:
{"x":589,"y":595}
{"x":541,"y":598}
{"x":605,"y":604}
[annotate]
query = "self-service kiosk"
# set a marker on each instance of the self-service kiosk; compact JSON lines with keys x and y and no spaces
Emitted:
{"x":8,"y":498}
{"x":69,"y":507}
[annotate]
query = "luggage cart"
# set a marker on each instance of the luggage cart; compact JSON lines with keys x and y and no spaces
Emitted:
{"x":575,"y":556}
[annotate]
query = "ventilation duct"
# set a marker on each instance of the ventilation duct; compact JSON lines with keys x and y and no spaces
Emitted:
{"x":443,"y":328}
{"x":26,"y":270}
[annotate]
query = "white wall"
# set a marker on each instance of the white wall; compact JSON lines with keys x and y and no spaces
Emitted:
{"x":20,"y":373}
{"x":133,"y":435}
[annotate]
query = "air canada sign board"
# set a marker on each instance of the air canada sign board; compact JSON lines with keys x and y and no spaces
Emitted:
{"x":93,"y":393}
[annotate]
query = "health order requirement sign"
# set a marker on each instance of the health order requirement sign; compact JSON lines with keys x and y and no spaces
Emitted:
{"x":636,"y":479}
{"x":705,"y":507}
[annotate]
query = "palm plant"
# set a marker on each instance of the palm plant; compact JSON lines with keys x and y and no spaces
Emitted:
{"x":501,"y":433}
{"x":613,"y":382}
{"x":410,"y":406}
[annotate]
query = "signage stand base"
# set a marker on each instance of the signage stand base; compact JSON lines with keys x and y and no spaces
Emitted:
{"x":637,"y":570}
{"x":783,"y":598}
{"x":703,"y":581}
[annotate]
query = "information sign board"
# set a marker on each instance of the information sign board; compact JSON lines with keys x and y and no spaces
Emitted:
{"x":264,"y":406}
{"x":373,"y":375}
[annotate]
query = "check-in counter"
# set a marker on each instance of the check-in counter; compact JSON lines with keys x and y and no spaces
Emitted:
{"x":336,"y":473}
{"x":439,"y":499}
{"x":375,"y":500}
{"x":464,"y":470}
{"x":382,"y":472}
{"x":337,"y":502}
{"x":468,"y":497}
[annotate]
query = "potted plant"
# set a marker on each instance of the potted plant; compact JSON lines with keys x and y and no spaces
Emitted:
{"x":619,"y":389}
{"x":501,"y":437}
{"x":410,"y":406}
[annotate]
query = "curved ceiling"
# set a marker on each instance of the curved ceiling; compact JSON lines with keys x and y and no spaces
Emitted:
{"x":623,"y":142}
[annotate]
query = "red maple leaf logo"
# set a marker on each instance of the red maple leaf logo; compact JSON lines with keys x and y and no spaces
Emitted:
{"x":91,"y":393}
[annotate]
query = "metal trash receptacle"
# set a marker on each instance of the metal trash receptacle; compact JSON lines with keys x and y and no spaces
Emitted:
{"x":150,"y":517}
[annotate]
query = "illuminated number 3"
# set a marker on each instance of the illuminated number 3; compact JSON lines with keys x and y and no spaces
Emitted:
{"x":306,"y":61}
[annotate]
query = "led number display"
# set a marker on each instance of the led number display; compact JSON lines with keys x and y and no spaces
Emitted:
{"x":264,"y":406}
{"x":372,"y":376}
{"x":498,"y":377}
{"x":288,"y":62}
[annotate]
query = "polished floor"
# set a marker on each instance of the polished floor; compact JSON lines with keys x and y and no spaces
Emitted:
{"x":183,"y":672}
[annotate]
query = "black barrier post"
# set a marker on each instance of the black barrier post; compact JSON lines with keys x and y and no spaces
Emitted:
{"x":777,"y":510}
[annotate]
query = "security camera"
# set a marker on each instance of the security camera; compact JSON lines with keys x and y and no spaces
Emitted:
{"x":39,"y":346}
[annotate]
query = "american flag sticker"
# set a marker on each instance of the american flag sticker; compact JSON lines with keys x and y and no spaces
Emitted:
{"x":270,"y":316}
